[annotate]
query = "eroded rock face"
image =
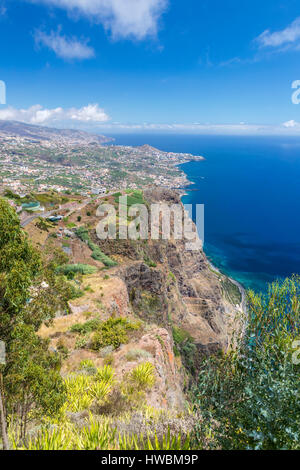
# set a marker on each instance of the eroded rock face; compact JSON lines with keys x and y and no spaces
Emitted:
{"x":167,"y":287}
{"x":182,"y":289}
{"x":158,"y":344}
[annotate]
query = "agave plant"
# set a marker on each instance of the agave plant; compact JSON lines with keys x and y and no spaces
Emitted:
{"x":143,"y":375}
{"x":99,"y":390}
{"x":105,"y":374}
{"x":79,"y":398}
{"x":97,"y":436}
{"x":47,"y":439}
{"x":168,"y":442}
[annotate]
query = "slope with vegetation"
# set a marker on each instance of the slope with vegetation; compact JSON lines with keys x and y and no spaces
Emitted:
{"x":147,"y":351}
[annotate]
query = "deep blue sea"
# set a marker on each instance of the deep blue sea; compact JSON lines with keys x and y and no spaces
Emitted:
{"x":251,"y":190}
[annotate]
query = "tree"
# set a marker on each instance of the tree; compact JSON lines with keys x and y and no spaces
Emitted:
{"x":30,"y":294}
{"x":3,"y":417}
{"x":34,"y":387}
{"x":249,"y":397}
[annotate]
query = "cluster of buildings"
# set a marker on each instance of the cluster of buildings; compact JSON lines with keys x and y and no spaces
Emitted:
{"x":31,"y":165}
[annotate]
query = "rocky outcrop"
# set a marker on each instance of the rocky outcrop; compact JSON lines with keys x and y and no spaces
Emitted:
{"x":182,"y":289}
{"x":171,"y":290}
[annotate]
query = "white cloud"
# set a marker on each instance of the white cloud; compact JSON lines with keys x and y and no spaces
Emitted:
{"x":291,"y":124}
{"x":204,"y":129}
{"x":42,"y":116}
{"x":135,"y":19}
{"x":64,"y":47}
{"x":288,"y":37}
{"x":92,"y":118}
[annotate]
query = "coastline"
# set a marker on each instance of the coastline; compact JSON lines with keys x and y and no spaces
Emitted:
{"x":184,"y":192}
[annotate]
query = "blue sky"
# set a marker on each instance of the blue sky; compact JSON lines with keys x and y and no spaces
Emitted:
{"x":201,"y":66}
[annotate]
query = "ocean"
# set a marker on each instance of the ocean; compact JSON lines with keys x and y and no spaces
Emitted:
{"x":250,"y":187}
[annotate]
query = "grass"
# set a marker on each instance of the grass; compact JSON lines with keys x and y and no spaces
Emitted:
{"x":67,"y":269}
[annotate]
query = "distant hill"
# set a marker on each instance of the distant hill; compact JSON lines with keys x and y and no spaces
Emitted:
{"x":40,"y":133}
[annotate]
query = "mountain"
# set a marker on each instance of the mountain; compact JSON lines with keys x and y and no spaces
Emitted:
{"x":41,"y":133}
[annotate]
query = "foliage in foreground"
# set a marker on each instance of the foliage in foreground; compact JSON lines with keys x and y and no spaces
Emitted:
{"x":249,"y":398}
{"x":99,"y":435}
{"x":30,"y":294}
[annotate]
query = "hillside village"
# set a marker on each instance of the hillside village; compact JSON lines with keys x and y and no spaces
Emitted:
{"x":85,"y":168}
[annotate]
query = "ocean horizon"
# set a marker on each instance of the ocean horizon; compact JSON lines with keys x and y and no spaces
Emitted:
{"x":251,"y":192}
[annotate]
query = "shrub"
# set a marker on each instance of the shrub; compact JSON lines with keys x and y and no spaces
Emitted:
{"x":172,"y":276}
{"x":185,"y":347}
{"x":98,"y":255}
{"x":253,"y":391}
{"x":86,"y":364}
{"x":135,"y":354}
{"x":108,"y":360}
{"x":87,"y":327}
{"x":113,"y":332}
{"x":168,"y":442}
{"x":82,"y":342}
{"x":79,"y":398}
{"x":49,"y":439}
{"x":62,"y":348}
{"x":97,"y":436}
{"x":149,"y":262}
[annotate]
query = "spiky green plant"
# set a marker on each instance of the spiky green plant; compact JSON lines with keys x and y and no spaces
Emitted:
{"x":105,"y":374}
{"x":151,"y":442}
{"x":143,"y":375}
{"x":86,"y":364}
{"x":79,"y":397}
{"x":50,"y":439}
{"x":97,"y":436}
{"x":99,"y":390}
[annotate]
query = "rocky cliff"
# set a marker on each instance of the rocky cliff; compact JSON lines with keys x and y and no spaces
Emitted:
{"x":186,"y":309}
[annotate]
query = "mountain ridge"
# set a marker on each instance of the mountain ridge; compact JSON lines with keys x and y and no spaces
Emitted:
{"x":43,"y":133}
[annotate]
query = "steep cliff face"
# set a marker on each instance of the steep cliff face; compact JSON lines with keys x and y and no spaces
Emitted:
{"x":182,"y":289}
{"x":186,"y":308}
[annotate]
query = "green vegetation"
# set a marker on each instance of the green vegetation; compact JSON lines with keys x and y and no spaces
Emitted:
{"x":134,"y":197}
{"x":246,"y":398}
{"x":136,"y":354}
{"x":148,"y":305}
{"x":143,"y":376}
{"x":231,"y":290}
{"x":97,"y":254}
{"x":168,"y":442}
{"x":30,"y":380}
{"x":149,"y":262}
{"x":249,"y":398}
{"x":113,"y":332}
{"x":68,"y":269}
{"x":44,"y":224}
{"x":87,"y":327}
{"x":171,"y":276}
{"x":185,"y":347}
